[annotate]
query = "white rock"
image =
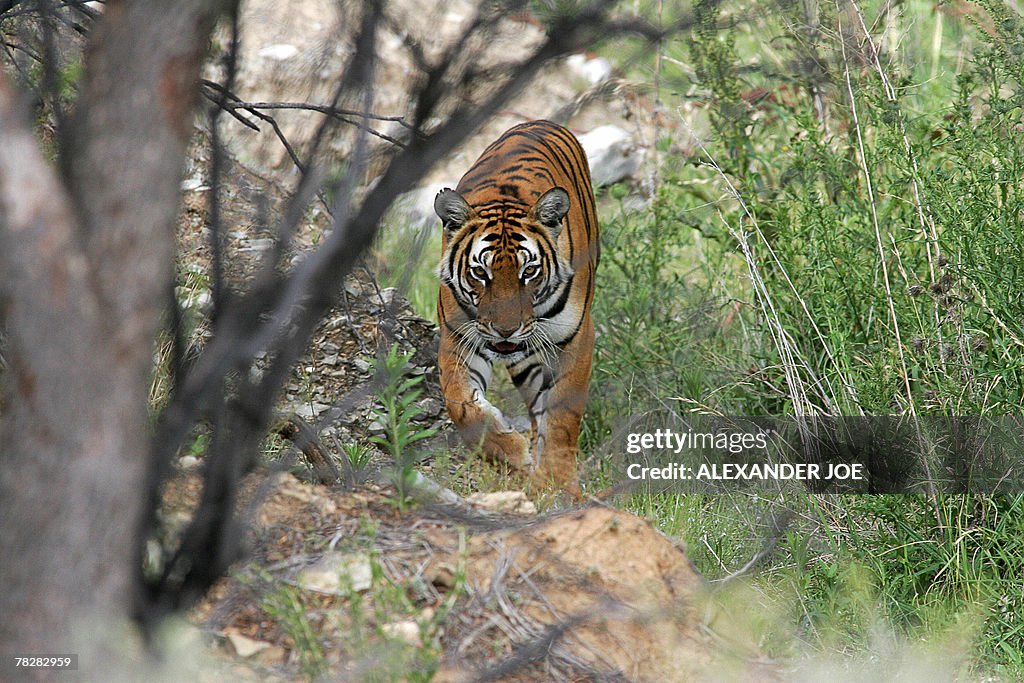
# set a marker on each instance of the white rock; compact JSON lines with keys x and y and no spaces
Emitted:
{"x":594,"y":70}
{"x":414,"y":210}
{"x":338,"y":573}
{"x":612,"y":153}
{"x":431,"y":407}
{"x":408,"y":631}
{"x":504,"y":501}
{"x":279,"y":52}
{"x":244,"y":646}
{"x":194,"y":184}
{"x":188,"y":462}
{"x":309,"y":411}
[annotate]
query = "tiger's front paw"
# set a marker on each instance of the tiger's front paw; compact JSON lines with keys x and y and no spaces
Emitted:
{"x":511,"y":448}
{"x":557,"y":470}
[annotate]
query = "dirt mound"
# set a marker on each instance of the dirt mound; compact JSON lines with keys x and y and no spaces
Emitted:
{"x":463,"y":594}
{"x":595,"y":593}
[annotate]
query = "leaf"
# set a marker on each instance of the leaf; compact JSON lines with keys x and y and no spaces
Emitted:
{"x":418,"y":436}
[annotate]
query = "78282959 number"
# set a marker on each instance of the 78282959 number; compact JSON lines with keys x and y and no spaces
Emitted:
{"x":69,"y":662}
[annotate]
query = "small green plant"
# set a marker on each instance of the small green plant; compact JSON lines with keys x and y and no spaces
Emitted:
{"x":285,"y":608}
{"x":197,"y":448}
{"x":396,"y":412}
{"x":359,"y":455}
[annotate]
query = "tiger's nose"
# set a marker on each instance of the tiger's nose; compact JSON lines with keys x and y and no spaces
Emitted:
{"x":505,"y":333}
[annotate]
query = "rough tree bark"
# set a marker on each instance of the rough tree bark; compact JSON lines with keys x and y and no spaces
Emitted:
{"x":86,"y":261}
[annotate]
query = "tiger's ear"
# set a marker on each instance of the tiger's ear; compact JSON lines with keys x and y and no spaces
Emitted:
{"x":452,"y":209}
{"x":551,"y":208}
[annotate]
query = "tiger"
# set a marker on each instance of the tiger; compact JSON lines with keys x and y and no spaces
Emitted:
{"x":519,"y":252}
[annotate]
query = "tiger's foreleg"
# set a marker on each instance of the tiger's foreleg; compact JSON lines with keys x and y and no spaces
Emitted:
{"x":556,"y":399}
{"x":464,"y":384}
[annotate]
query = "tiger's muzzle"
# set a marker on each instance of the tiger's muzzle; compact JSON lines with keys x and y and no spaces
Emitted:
{"x":506,"y":341}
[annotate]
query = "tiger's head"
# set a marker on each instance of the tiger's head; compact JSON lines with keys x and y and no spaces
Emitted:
{"x":503,"y":267}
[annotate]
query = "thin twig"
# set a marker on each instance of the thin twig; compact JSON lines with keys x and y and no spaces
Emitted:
{"x":883,"y":261}
{"x":924,"y":217}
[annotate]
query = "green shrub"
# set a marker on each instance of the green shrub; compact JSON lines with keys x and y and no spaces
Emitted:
{"x":846,"y":238}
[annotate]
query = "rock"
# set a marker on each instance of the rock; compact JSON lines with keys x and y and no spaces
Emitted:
{"x":612,"y":153}
{"x":414,"y":210}
{"x":431,"y":407}
{"x":246,"y":647}
{"x":200,"y":300}
{"x":362,"y":365}
{"x":188,"y":462}
{"x":278,"y":52}
{"x":408,"y":631}
{"x":338,"y":573}
{"x":194,"y":184}
{"x":637,"y":203}
{"x":353,"y":288}
{"x":257,"y":244}
{"x":592,"y":69}
{"x":271,"y":656}
{"x":309,"y":411}
{"x":255,"y":374}
{"x":514,"y":502}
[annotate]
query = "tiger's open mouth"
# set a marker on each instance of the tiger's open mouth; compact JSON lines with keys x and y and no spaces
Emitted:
{"x":506,"y":347}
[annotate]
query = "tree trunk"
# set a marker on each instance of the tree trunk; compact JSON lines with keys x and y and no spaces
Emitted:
{"x":86,"y":261}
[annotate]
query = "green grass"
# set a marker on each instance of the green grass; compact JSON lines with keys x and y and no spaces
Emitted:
{"x":852,"y":569}
{"x":408,"y":260}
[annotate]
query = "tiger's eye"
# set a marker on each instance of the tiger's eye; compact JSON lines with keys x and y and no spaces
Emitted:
{"x":529,"y":271}
{"x":479,"y":273}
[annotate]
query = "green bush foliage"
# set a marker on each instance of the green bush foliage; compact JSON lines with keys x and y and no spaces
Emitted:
{"x":838,"y":230}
